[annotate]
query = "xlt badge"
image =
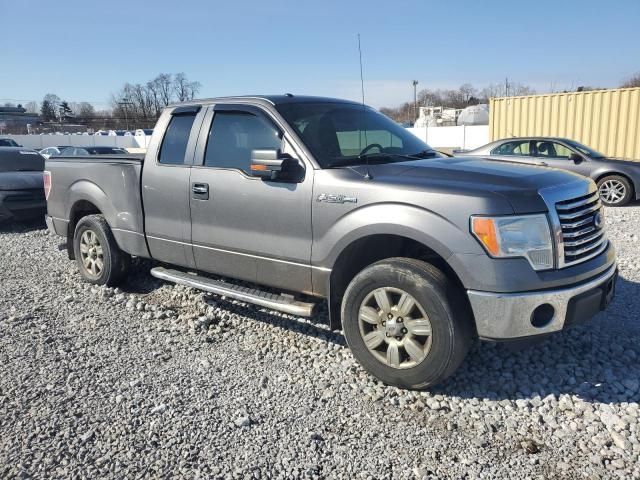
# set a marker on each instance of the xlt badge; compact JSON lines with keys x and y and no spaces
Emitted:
{"x":331,"y":198}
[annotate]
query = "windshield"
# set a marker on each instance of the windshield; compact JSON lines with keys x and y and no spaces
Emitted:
{"x":584,"y":149}
{"x":348,"y":134}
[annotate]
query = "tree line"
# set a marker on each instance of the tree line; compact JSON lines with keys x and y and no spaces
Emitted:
{"x":467,"y":95}
{"x":461,"y":97}
{"x":135,"y":105}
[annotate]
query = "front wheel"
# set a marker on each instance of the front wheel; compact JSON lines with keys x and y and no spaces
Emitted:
{"x":406,"y":323}
{"x":615,"y":190}
{"x":99,"y":258}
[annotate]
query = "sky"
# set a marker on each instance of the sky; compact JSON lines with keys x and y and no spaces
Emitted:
{"x":86,"y":50}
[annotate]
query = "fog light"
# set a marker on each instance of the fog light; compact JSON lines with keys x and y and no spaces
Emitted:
{"x":542,"y":315}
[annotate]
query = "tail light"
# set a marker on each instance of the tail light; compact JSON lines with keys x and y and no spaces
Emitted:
{"x":47,"y":184}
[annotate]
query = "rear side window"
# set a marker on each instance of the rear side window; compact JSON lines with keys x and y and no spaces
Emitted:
{"x":513,"y":148}
{"x":174,"y":144}
{"x":234,"y":135}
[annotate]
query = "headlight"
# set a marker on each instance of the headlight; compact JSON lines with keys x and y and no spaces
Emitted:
{"x":525,"y":236}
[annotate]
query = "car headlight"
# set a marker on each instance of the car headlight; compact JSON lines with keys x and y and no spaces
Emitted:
{"x":525,"y":236}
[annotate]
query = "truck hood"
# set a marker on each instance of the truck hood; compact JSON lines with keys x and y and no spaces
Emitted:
{"x":21,"y":180}
{"x":517,"y":183}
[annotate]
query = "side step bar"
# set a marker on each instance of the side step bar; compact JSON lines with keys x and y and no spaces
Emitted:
{"x":282,"y":303}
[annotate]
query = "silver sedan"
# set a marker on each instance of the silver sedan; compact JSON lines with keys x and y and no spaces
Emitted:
{"x":618,"y":180}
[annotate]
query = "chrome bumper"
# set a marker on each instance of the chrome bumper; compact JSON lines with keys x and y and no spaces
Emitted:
{"x":504,"y":316}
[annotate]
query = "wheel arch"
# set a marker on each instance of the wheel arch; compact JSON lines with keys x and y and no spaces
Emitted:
{"x":372,"y":248}
{"x":612,"y":173}
{"x":80,"y":209}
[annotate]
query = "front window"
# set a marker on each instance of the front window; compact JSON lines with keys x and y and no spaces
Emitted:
{"x":234,"y":135}
{"x":347,"y":134}
{"x":548,"y":149}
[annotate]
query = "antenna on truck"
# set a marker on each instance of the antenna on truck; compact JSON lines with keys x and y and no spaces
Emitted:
{"x":368,"y":175}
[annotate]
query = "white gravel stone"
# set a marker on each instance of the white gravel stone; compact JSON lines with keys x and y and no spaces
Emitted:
{"x":153,"y":380}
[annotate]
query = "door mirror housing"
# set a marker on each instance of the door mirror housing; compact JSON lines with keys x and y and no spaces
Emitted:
{"x":577,"y":158}
{"x":272,"y":165}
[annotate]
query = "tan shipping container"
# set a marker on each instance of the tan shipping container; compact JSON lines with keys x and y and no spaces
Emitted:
{"x":606,"y":120}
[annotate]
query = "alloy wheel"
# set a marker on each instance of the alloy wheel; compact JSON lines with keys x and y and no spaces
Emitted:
{"x":91,"y":253}
{"x":612,"y":191}
{"x":395,"y":328}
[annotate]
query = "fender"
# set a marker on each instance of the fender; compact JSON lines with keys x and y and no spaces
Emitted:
{"x":126,"y":224}
{"x":410,"y":221}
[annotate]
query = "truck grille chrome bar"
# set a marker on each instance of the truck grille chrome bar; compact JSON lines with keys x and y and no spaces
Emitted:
{"x":580,"y":245}
{"x":577,"y":221}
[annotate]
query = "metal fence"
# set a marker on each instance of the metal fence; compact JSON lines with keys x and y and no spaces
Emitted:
{"x":606,"y":120}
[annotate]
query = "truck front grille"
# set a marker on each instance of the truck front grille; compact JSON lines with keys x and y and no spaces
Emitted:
{"x":582,"y":222}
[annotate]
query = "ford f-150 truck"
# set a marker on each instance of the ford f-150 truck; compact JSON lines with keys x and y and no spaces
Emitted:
{"x":416,"y":254}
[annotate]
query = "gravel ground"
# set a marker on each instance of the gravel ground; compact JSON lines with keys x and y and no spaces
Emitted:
{"x":157,"y":380}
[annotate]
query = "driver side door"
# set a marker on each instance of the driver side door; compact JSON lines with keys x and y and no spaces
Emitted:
{"x":556,"y":154}
{"x":243,"y":226}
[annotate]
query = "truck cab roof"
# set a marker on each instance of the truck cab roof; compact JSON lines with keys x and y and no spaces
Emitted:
{"x":273,"y":100}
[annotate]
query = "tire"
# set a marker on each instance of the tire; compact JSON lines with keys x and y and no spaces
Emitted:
{"x":447,"y":319}
{"x":615,"y":190}
{"x":99,"y":258}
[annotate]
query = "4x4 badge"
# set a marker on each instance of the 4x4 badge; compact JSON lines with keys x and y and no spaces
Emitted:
{"x":331,"y":198}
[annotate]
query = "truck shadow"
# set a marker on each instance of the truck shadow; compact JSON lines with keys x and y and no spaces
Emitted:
{"x":598,"y":361}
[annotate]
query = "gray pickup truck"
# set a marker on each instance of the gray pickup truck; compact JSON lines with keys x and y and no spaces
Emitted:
{"x":416,"y":254}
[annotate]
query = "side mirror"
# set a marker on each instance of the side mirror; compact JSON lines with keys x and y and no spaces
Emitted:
{"x":272,"y":165}
{"x":576,"y":158}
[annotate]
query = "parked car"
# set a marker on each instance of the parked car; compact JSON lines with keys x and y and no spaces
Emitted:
{"x":618,"y":180}
{"x":416,"y":254}
{"x":9,"y":142}
{"x":141,"y":132}
{"x":47,"y":152}
{"x":83,"y":151}
{"x":21,"y":184}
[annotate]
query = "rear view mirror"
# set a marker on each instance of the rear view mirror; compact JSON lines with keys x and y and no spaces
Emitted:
{"x":272,"y":165}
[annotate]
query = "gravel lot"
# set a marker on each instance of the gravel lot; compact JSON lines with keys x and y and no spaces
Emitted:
{"x":156,"y":380}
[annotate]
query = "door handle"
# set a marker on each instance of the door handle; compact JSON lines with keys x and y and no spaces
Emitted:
{"x":200,"y":191}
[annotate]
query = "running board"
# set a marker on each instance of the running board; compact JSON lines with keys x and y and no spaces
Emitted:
{"x":282,"y":303}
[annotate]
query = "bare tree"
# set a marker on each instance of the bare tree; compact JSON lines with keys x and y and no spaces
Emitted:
{"x":50,"y":107}
{"x":165,"y":88}
{"x":31,"y":107}
{"x":632,"y":81}
{"x":184,"y":89}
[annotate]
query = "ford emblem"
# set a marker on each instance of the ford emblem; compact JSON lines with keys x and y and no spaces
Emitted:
{"x":598,"y":220}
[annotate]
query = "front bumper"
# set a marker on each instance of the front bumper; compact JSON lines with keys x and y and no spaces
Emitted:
{"x":512,"y":316}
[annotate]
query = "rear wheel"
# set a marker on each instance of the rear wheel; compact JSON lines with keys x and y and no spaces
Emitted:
{"x":406,"y":323}
{"x":99,"y":258}
{"x":615,"y":190}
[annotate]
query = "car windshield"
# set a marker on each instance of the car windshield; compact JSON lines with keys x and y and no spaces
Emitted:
{"x":584,"y":149}
{"x":340,"y":134}
{"x":7,"y":142}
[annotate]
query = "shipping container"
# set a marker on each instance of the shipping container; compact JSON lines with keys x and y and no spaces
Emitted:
{"x":606,"y":120}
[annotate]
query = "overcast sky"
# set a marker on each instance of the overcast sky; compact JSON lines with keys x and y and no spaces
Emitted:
{"x":85,"y":50}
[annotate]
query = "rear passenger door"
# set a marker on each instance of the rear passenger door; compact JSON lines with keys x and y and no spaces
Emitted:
{"x":165,"y":186}
{"x":245,"y":227}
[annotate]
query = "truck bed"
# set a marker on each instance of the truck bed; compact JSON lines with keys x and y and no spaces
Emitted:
{"x":110,"y":185}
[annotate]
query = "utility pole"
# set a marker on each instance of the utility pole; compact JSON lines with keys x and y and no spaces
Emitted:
{"x":124,"y":103}
{"x":415,"y":99}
